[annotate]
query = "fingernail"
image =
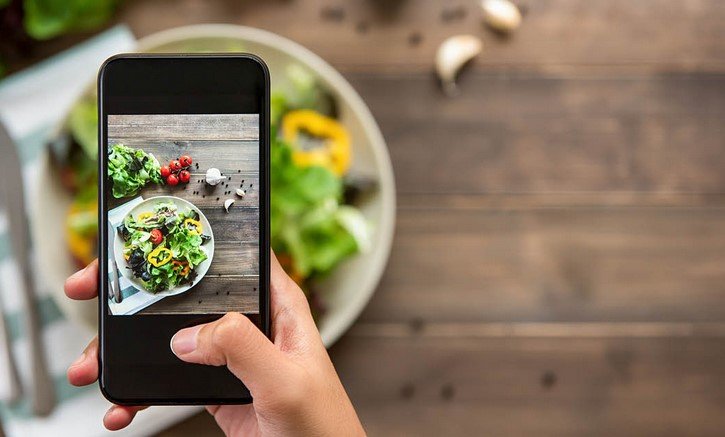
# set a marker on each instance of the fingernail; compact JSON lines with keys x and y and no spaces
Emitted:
{"x":184,"y":341}
{"x":79,"y":360}
{"x":110,"y":411}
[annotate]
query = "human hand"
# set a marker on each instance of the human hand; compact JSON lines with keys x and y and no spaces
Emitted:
{"x":295,"y":387}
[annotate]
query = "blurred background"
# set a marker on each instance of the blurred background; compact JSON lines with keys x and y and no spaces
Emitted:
{"x":543,"y":249}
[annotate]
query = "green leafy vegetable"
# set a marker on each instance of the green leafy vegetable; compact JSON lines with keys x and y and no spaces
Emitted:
{"x":306,"y":216}
{"x":174,"y":260}
{"x":83,"y":124}
{"x":131,"y":169}
{"x":45,"y":19}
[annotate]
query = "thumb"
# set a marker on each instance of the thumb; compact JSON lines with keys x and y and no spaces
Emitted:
{"x":232,"y":341}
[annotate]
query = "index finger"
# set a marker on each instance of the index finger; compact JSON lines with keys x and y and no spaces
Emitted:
{"x":83,"y":284}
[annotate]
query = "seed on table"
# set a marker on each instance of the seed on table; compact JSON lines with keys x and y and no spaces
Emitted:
{"x":217,"y":198}
{"x":332,"y":13}
{"x":362,"y":27}
{"x":415,"y":38}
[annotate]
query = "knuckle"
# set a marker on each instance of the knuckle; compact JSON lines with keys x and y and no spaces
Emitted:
{"x":227,"y":331}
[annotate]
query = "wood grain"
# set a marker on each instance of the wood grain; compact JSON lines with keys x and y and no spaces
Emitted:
{"x":180,"y":127}
{"x":213,"y":295}
{"x":556,"y":35}
{"x":553,"y":263}
{"x":524,"y":133}
{"x":424,"y":385}
{"x":557,"y":267}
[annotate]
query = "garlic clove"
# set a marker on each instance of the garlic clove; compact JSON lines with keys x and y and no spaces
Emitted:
{"x":240,"y":192}
{"x":214,"y":176}
{"x":228,"y":204}
{"x":453,"y":54}
{"x":501,"y":15}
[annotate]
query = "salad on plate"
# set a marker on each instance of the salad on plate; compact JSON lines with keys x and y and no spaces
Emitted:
{"x":163,"y":248}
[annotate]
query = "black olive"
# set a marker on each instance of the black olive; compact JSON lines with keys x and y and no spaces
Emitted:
{"x":123,"y":231}
{"x":145,"y":276}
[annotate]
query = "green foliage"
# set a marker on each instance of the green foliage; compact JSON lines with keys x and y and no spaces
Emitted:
{"x":131,"y":169}
{"x":305,"y":209}
{"x":45,"y":19}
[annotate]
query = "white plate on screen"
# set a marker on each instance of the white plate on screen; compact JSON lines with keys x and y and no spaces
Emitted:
{"x":182,"y":206}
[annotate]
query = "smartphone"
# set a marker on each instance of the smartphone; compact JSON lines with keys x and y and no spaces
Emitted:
{"x":184,"y":217}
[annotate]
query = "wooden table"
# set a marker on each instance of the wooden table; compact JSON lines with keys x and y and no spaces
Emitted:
{"x":229,"y":142}
{"x":559,"y":260}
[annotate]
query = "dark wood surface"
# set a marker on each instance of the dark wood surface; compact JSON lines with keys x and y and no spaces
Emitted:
{"x":559,"y":260}
{"x":229,"y":143}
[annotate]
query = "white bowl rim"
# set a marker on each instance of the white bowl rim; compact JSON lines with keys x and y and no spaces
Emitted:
{"x":333,"y":329}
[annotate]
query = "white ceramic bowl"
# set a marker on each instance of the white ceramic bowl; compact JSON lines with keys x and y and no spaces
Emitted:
{"x":147,"y":205}
{"x":349,"y":288}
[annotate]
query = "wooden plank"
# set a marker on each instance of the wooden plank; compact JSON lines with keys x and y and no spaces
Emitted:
{"x":234,"y":258}
{"x":206,"y":197}
{"x":375,"y":36}
{"x":553,"y":263}
{"x":213,"y":295}
{"x":420,"y":385}
{"x":533,"y":133}
{"x":180,"y":127}
{"x":240,"y":224}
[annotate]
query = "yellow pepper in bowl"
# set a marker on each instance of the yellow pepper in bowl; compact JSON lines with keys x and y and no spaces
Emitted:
{"x":159,"y":256}
{"x":335,"y":151}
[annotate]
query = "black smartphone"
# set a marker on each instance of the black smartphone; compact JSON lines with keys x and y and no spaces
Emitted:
{"x":184,"y":217}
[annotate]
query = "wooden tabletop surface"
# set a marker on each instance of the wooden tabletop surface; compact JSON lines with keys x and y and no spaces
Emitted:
{"x":559,"y":259}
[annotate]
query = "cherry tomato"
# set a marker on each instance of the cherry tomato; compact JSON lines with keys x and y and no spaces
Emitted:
{"x":156,"y":237}
{"x":184,"y":176}
{"x":185,"y":160}
{"x":175,"y":165}
{"x":172,"y":180}
{"x":165,"y":171}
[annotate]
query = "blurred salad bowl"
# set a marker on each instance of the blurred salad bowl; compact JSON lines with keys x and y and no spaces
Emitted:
{"x":333,"y":193}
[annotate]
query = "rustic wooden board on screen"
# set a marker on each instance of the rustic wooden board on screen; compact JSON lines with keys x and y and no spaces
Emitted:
{"x":229,"y":143}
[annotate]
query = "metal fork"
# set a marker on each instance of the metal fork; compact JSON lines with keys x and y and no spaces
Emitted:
{"x":42,"y":394}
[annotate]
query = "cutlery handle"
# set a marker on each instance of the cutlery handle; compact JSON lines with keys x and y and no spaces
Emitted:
{"x":13,"y":377}
{"x":42,"y":389}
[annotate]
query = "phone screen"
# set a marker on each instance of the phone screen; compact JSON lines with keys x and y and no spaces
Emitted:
{"x":183,"y":213}
{"x":184,"y":150}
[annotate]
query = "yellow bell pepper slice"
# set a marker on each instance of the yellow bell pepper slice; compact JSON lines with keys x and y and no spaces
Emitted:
{"x":335,"y":152}
{"x":144,"y":215}
{"x":195,"y":225}
{"x":159,"y":256}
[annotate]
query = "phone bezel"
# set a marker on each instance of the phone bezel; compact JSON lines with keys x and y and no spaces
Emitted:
{"x":169,"y":323}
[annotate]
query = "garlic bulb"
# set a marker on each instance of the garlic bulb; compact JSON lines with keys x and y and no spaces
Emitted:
{"x":240,"y":192}
{"x":214,"y":176}
{"x":228,"y":204}
{"x":453,"y":54}
{"x":501,"y":15}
